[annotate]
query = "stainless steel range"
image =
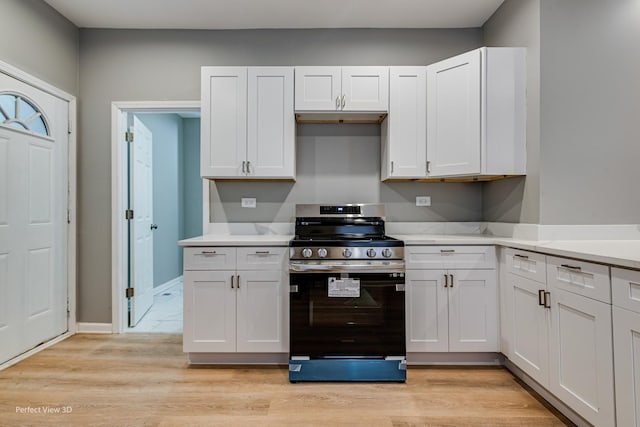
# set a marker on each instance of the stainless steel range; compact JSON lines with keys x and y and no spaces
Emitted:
{"x":347,"y":299}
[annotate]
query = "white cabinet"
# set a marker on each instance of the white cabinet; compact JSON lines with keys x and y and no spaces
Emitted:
{"x":247,"y":124}
{"x":341,"y":89}
{"x":476,"y":114}
{"x":235,"y":300}
{"x":560,"y":329}
{"x":404,"y":132}
{"x":450,"y":309}
{"x":581,"y":356}
{"x":626,"y":344}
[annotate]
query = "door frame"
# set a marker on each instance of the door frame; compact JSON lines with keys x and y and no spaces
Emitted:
{"x":119,"y":183}
{"x":72,"y":223}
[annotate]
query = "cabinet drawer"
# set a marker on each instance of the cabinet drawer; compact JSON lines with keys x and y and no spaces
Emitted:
{"x":579,"y":277}
{"x":262,"y":258}
{"x":625,"y":288}
{"x":526,"y":264}
{"x":209,"y":258}
{"x":445,"y":257}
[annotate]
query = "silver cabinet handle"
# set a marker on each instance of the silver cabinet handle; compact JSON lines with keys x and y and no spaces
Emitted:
{"x":547,"y":299}
{"x":238,"y":282}
{"x":521,"y":256}
{"x":447,"y":251}
{"x":263,"y":252}
{"x":343,"y":101}
{"x":248,"y":166}
{"x":207,"y":252}
{"x":446,"y":280}
{"x":541,"y":297}
{"x":571,"y":267}
{"x":244,"y":167}
{"x":232,"y":281}
{"x":451,"y":275}
{"x":428,"y":166}
{"x":392,"y":166}
{"x":338,"y":102}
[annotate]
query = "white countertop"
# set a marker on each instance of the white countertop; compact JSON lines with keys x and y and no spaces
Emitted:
{"x":623,"y":253}
{"x":238,"y":240}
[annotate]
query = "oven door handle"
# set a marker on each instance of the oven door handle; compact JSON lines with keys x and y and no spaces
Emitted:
{"x":333,"y":267}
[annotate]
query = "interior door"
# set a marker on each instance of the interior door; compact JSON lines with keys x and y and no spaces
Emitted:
{"x":33,"y":217}
{"x":141,"y":233}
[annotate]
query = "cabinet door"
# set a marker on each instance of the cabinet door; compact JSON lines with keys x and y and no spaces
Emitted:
{"x":405,"y":129}
{"x":270,"y":123}
{"x":473,"y":310}
{"x":263,"y":312}
{"x":365,"y":88}
{"x":209,"y":312}
{"x":529,"y":327}
{"x":626,"y":346}
{"x":318,"y":89}
{"x":454,"y":115}
{"x":224,"y":121}
{"x":427,"y":311}
{"x":581,"y":356}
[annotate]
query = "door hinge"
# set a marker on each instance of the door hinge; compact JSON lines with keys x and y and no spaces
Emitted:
{"x":129,"y":292}
{"x":128,"y":136}
{"x":128,"y":214}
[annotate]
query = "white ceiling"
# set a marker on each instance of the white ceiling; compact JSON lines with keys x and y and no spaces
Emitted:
{"x":243,"y":14}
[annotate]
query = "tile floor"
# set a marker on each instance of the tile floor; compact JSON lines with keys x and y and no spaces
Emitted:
{"x":165,"y":315}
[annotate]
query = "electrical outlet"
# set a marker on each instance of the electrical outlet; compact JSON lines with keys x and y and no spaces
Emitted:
{"x":423,"y":200}
{"x":248,"y":202}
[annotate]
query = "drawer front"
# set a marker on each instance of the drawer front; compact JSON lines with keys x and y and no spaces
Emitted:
{"x":579,"y":277}
{"x":209,"y":258}
{"x":446,"y":257}
{"x":262,"y":258}
{"x":625,"y":288}
{"x":526,"y":264}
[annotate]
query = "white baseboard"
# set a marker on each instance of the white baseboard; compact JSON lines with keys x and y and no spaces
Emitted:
{"x":94,"y":328}
{"x":160,"y":289}
{"x":35,"y":350}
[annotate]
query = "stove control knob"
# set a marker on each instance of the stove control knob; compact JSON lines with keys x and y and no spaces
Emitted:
{"x":322,"y":252}
{"x":371,"y":253}
{"x":306,"y":252}
{"x":387,"y":253}
{"x":347,"y":253}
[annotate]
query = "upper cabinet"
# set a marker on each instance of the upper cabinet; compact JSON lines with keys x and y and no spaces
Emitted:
{"x":403,"y":133}
{"x":476,"y":115}
{"x":332,"y":89}
{"x":248,"y":125}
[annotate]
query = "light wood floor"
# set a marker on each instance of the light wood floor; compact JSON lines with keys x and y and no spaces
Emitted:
{"x":144,"y":380}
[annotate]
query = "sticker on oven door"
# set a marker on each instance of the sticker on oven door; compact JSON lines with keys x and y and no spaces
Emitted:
{"x":344,"y":288}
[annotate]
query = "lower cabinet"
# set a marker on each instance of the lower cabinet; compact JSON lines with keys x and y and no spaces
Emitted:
{"x":626,"y":344}
{"x":452,"y":310}
{"x":563,"y":339}
{"x":231,"y":307}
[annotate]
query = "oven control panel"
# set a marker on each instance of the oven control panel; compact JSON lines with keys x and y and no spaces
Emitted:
{"x":346,"y":253}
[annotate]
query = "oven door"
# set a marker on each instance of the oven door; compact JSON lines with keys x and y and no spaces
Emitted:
{"x":347,"y":314}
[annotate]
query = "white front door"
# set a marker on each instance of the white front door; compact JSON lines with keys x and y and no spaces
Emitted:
{"x":33,"y":216}
{"x":141,"y":240}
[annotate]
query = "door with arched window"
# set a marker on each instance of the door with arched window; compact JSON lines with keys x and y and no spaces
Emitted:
{"x":33,"y":216}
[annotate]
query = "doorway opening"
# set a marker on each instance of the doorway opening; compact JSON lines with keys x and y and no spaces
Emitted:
{"x":157,"y":200}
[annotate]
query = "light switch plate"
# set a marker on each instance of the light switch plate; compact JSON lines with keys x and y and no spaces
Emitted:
{"x":248,"y":202}
{"x":423,"y":200}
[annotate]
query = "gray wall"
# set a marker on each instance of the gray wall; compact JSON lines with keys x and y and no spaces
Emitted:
{"x":341,"y":164}
{"x":38,"y":40}
{"x":128,"y":65}
{"x":192,"y":183}
{"x":589,"y":104}
{"x":517,"y":23}
{"x":168,"y":211}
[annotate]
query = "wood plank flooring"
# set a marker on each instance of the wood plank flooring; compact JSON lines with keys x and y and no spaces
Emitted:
{"x":144,"y":380}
